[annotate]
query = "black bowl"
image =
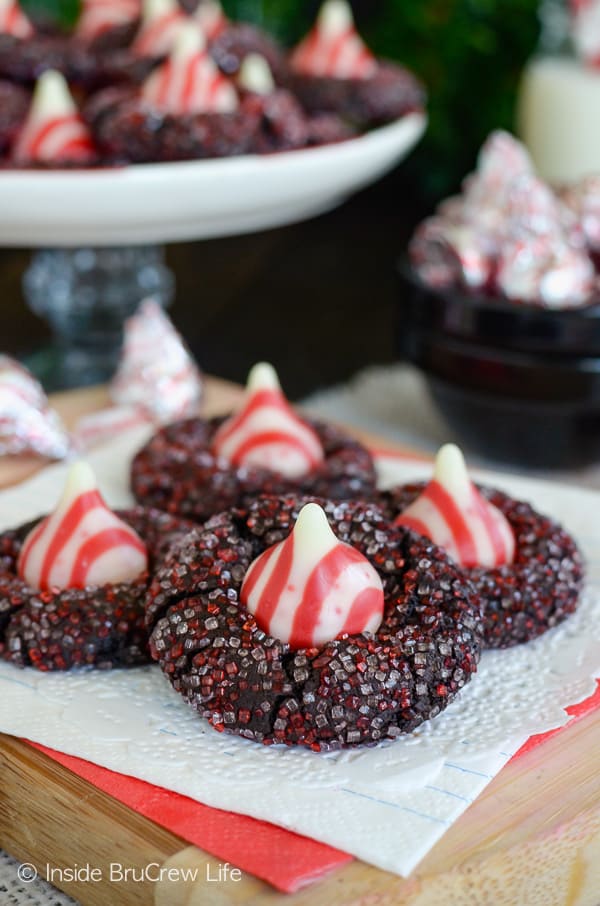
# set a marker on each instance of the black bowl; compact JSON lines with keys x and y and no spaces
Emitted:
{"x":519,"y":383}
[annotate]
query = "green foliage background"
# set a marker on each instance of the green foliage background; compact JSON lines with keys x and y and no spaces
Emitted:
{"x":469,"y":53}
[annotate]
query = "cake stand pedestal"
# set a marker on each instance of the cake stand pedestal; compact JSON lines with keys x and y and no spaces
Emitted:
{"x":101,"y":231}
{"x":85,"y":295}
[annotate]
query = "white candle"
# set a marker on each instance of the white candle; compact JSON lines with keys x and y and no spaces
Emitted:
{"x":559,"y":118}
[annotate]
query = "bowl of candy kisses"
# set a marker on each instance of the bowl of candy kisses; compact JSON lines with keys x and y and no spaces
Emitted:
{"x":500,"y":309}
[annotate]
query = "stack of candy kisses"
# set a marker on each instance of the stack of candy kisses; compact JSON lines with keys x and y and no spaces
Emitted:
{"x":159,"y":81}
{"x":282,"y":594}
{"x":511,"y":236}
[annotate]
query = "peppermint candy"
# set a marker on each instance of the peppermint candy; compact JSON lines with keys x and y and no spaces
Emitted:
{"x":447,"y":252}
{"x":27,"y":424}
{"x":53,"y":130}
{"x":104,"y":425}
{"x":501,"y":160}
{"x":157,"y":373}
{"x":540,"y":269}
{"x":211,"y":18}
{"x":188,"y":81}
{"x":454,"y":515}
{"x":13,"y":20}
{"x":267,"y":433}
{"x":82,"y":543}
{"x":585,"y":30}
{"x":312,"y":588}
{"x":255,"y":75}
{"x":100,"y":16}
{"x":334,"y":49}
{"x":583,"y":201}
{"x":161,"y":21}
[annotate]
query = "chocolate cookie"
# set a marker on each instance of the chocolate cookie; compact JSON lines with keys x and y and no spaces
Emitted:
{"x":14,"y":104}
{"x":388,"y":95}
{"x":354,"y":690}
{"x":523,"y":599}
{"x":177,"y":471}
{"x":100,"y":626}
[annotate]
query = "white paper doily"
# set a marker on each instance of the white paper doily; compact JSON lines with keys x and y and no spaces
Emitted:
{"x":387,"y":805}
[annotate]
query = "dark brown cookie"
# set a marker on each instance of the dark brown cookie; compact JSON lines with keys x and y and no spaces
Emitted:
{"x":539,"y":590}
{"x":354,"y":690}
{"x":101,"y":626}
{"x":178,"y":472}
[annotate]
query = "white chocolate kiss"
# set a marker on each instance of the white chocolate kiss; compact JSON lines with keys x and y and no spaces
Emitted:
{"x":255,"y":75}
{"x":161,"y":20}
{"x":335,"y":17}
{"x":98,"y":16}
{"x":13,"y":20}
{"x":210,"y":17}
{"x":82,"y":543}
{"x":53,"y":128}
{"x":51,"y":98}
{"x":189,"y":82}
{"x":266,"y":432}
{"x":312,"y":587}
{"x":333,"y":48}
{"x":455,"y":515}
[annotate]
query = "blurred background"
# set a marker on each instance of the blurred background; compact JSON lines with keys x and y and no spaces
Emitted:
{"x":319,"y":298}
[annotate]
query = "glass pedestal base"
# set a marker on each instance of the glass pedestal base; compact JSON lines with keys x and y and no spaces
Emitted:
{"x":85,"y":295}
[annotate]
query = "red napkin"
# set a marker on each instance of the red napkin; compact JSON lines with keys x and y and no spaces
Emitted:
{"x":245,"y":842}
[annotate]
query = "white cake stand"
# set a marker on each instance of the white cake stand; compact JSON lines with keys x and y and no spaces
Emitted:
{"x":98,"y":230}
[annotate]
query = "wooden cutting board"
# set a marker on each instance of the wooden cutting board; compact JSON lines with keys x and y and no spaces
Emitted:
{"x":531,"y":839}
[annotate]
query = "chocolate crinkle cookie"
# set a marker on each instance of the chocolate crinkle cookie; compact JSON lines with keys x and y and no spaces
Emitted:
{"x":538,"y":590}
{"x":357,"y":689}
{"x":178,"y":472}
{"x":390,"y":94}
{"x":101,"y":626}
{"x":14,"y":103}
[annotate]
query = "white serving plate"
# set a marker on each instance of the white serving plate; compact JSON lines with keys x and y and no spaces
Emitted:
{"x":155,"y":203}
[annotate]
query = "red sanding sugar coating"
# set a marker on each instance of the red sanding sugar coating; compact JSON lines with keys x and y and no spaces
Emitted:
{"x":178,"y":472}
{"x":354,"y":690}
{"x":102,"y":625}
{"x":539,"y":590}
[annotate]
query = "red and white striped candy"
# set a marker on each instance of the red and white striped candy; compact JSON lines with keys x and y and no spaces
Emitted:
{"x":157,"y":373}
{"x":312,"y":588}
{"x":100,"y":16}
{"x":13,"y":20}
{"x":454,"y":515}
{"x":444,"y":253}
{"x":585,"y":30}
{"x":27,"y":423}
{"x":545,"y":271}
{"x":53,"y":130}
{"x":211,"y":18}
{"x":82,"y":543}
{"x":583,"y":204}
{"x":188,"y":81}
{"x":267,"y":432}
{"x":255,"y":75}
{"x":333,"y":48}
{"x":161,"y":21}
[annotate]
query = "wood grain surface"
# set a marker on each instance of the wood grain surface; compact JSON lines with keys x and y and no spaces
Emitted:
{"x":531,"y":839}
